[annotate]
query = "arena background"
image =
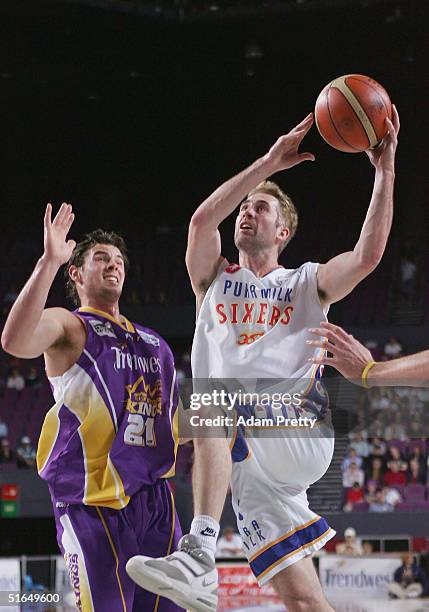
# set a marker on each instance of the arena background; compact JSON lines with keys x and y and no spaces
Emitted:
{"x":134,"y":111}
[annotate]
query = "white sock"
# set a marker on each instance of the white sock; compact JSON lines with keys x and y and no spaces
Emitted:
{"x":207,"y":529}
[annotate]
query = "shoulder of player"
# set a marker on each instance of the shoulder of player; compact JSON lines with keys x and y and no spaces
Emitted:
{"x":73,"y":328}
{"x":63,"y":317}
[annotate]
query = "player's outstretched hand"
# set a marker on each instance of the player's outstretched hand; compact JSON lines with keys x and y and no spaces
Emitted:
{"x":383,"y":156}
{"x":349,"y":356}
{"x":57,"y":248}
{"x":284,"y":152}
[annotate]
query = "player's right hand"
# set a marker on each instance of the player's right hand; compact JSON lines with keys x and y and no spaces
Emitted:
{"x":284,"y":152}
{"x":57,"y":248}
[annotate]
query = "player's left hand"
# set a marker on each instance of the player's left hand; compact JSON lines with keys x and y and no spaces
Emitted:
{"x":349,"y":356}
{"x":383,"y":156}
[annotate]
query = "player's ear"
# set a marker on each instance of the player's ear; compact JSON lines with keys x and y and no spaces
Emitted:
{"x":284,"y":233}
{"x":74,"y":273}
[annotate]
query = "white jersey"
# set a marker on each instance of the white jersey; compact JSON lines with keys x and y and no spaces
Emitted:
{"x":251,"y":328}
{"x":257,"y":327}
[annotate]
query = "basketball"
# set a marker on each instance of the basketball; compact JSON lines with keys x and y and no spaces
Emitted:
{"x":350,"y":113}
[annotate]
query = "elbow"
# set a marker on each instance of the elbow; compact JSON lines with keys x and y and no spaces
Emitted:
{"x":7,"y":344}
{"x":199,"y":219}
{"x":368,"y":261}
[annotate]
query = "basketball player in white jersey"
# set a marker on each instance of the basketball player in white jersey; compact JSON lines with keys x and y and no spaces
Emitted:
{"x":253,"y":321}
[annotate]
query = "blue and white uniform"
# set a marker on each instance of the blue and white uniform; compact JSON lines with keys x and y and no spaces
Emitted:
{"x":254,"y":330}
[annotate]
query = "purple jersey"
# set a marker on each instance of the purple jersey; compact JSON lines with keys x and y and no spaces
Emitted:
{"x":113,"y":427}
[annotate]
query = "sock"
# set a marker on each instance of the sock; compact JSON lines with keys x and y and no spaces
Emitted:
{"x":207,"y":529}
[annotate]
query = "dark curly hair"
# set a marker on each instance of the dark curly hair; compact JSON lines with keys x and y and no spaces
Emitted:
{"x":98,"y":236}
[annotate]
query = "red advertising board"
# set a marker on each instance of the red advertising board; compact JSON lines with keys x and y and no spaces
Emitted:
{"x":238,"y":589}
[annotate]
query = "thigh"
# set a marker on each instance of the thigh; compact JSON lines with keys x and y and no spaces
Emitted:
{"x":96,"y":547}
{"x":275,"y":523}
{"x":157,"y":536}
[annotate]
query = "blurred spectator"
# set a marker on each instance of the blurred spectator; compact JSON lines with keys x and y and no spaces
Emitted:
{"x":25,"y":454}
{"x":229,"y":544}
{"x":394,"y":454}
{"x":392,"y":348}
{"x":380,"y":504}
{"x":6,"y":453}
{"x":352,"y":458}
{"x":360,"y":444}
{"x":377,"y":447}
{"x":408,"y":580}
{"x":353,"y":496}
{"x":408,"y":273}
{"x":393,"y":475}
{"x":15,"y":380}
{"x":396,"y":430}
{"x":3,"y":429}
{"x":351,"y":545}
{"x":376,"y":470}
{"x":371,"y":486}
{"x":417,"y":454}
{"x":33,"y":378}
{"x":353,"y":474}
{"x":416,"y":473}
{"x":367,"y":548}
{"x":392,"y":496}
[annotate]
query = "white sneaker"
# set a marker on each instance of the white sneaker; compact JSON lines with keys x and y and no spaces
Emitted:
{"x":188,"y":576}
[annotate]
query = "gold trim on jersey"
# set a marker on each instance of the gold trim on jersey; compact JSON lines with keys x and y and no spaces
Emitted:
{"x":103,"y":485}
{"x":174,"y":422}
{"x":124,"y":323}
{"x":48,"y":436}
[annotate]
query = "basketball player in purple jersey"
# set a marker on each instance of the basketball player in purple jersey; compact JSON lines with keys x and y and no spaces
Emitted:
{"x":253,"y":321}
{"x":109,"y":443}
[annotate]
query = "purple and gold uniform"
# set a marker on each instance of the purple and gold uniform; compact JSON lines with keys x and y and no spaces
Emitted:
{"x":106,"y":448}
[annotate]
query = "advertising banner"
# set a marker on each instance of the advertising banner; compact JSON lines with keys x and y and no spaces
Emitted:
{"x":10,"y":575}
{"x":357,"y":578}
{"x":239,"y":591}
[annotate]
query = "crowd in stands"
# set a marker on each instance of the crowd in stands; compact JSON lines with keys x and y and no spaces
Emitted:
{"x":387,"y":463}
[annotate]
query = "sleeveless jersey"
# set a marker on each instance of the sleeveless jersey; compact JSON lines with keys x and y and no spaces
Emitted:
{"x":250,"y":329}
{"x":113,"y":427}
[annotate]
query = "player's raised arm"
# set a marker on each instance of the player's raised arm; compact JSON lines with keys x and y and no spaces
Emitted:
{"x":339,"y":276}
{"x":30,"y":329}
{"x":354,"y":361}
{"x":204,"y":246}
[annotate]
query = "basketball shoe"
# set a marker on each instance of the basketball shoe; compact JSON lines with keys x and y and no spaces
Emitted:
{"x":188,"y":576}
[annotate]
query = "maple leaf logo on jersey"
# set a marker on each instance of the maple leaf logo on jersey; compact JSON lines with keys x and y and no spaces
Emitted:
{"x":232,"y":268}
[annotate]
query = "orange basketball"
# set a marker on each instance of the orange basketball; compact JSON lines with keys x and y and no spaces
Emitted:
{"x":351,"y":111}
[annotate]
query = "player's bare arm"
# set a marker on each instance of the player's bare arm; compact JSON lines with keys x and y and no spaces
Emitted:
{"x":204,"y":245}
{"x":339,"y":276}
{"x":351,"y":358}
{"x":31,"y":329}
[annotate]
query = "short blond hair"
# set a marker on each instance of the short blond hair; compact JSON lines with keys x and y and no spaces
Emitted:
{"x":288,"y":210}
